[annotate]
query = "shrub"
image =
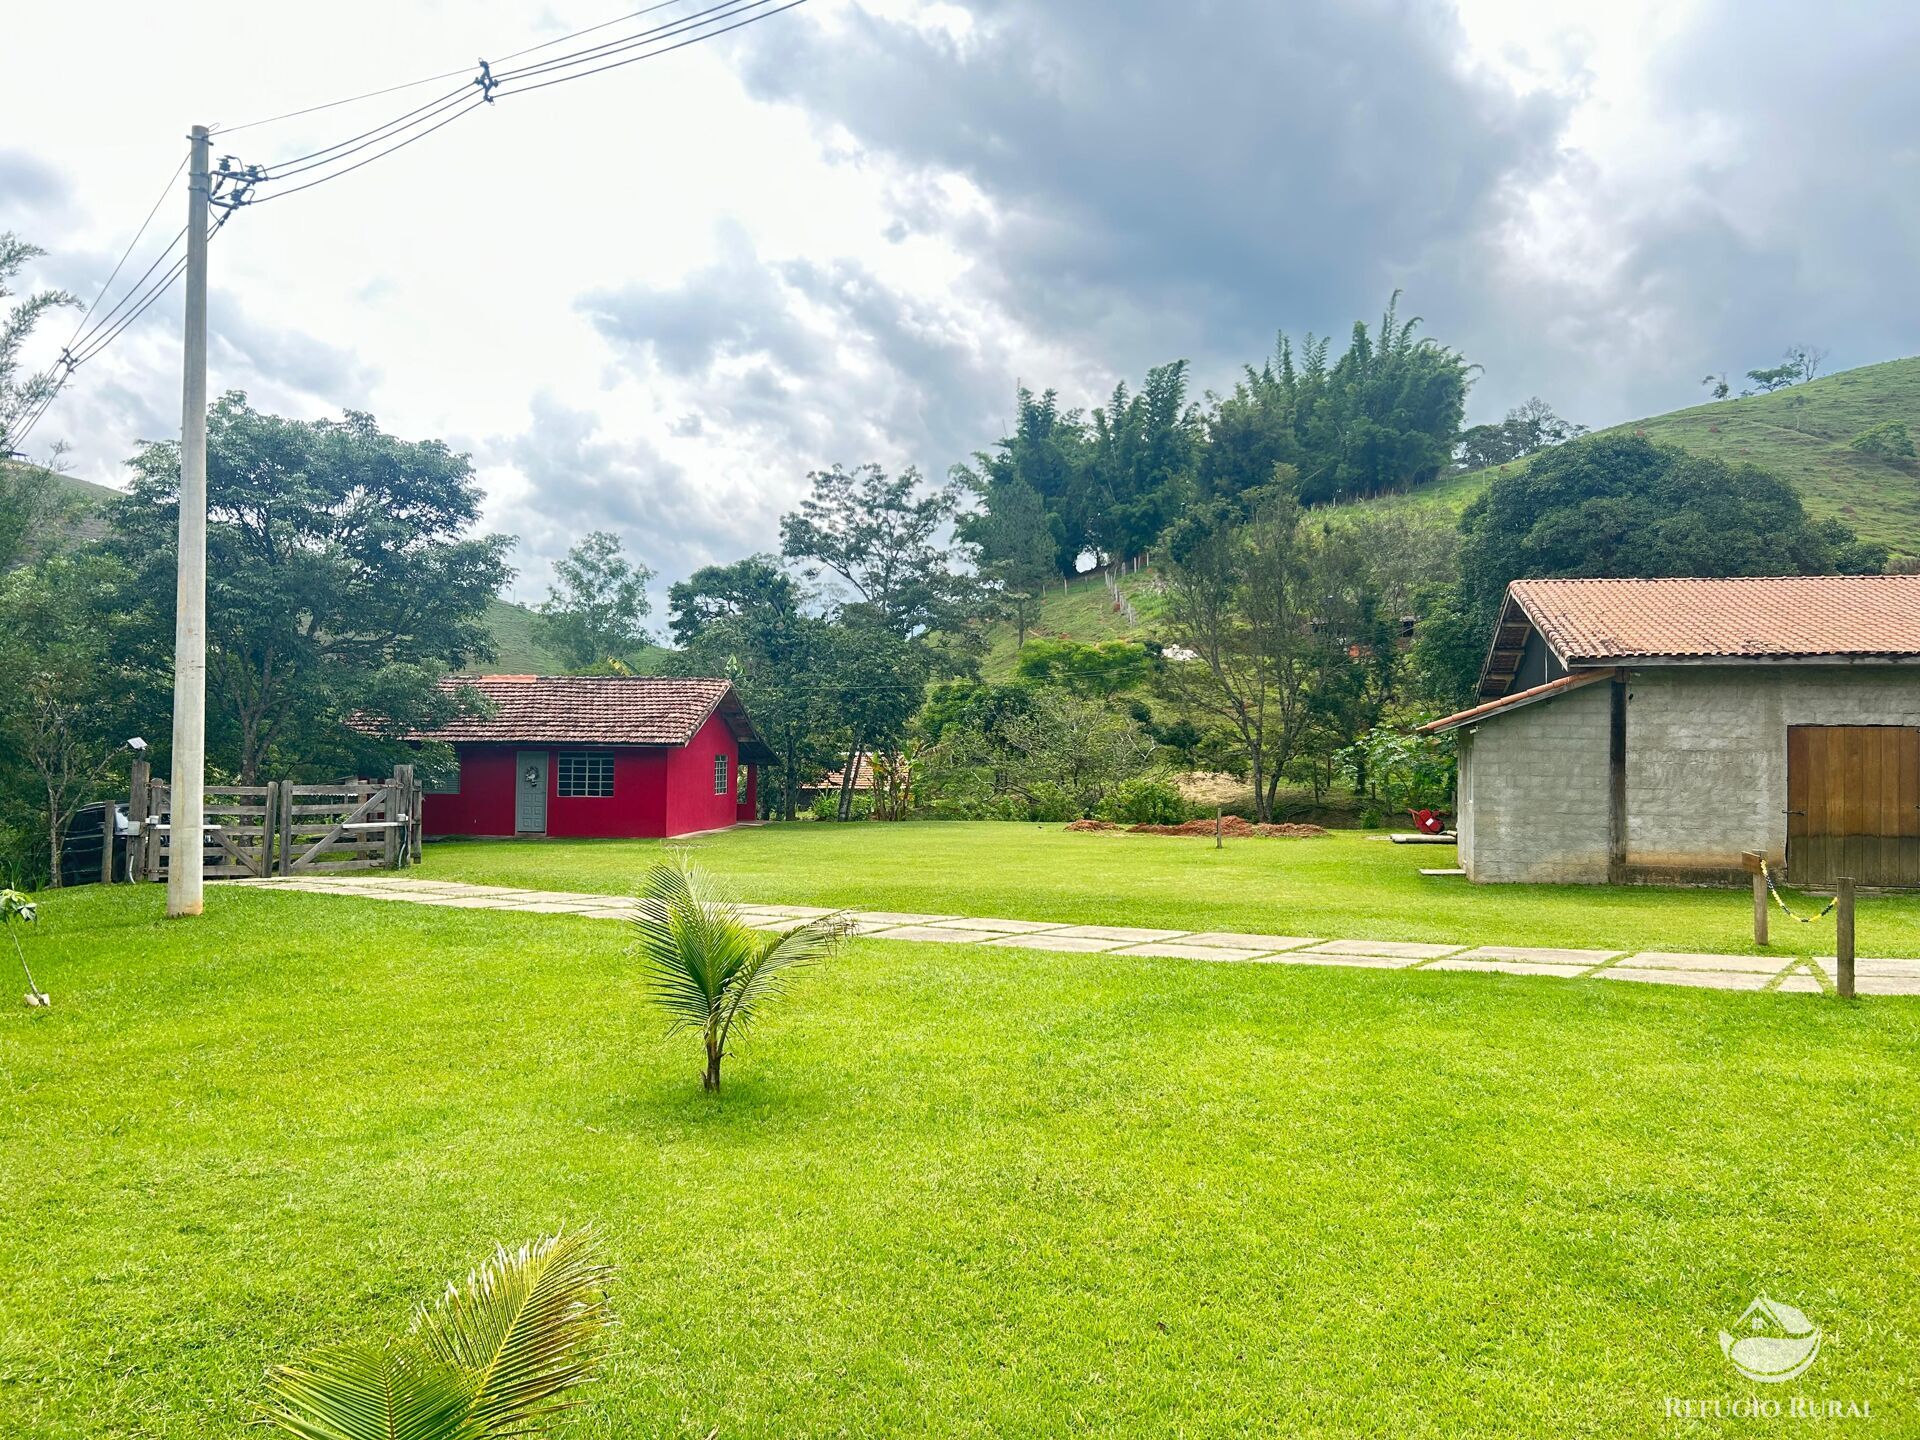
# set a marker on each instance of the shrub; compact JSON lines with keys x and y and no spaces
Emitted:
{"x":1889,"y":440}
{"x":1145,"y":802}
{"x":1049,"y":802}
{"x":827,"y":806}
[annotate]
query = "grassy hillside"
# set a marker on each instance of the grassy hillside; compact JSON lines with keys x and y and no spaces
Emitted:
{"x":1800,"y":434}
{"x":1082,"y":610}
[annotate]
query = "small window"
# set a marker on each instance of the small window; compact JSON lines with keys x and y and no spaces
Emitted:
{"x":585,"y":776}
{"x":719,"y":774}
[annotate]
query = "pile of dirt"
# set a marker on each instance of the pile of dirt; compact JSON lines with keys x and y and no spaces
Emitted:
{"x":1231,"y":825}
{"x":1093,"y":825}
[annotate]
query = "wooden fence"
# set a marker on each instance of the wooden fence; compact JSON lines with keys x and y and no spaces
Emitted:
{"x":280,"y":828}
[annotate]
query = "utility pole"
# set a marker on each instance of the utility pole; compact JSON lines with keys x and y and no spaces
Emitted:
{"x":186,"y":803}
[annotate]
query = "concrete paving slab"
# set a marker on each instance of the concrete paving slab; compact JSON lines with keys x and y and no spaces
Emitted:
{"x":1232,"y":940}
{"x":1869,"y":965}
{"x":1664,"y":960}
{"x":1541,"y":954}
{"x":804,"y":912}
{"x":1886,"y":984}
{"x":1183,"y":950}
{"x":778,"y":925}
{"x":1708,"y":979}
{"x":1323,"y":957}
{"x":1053,"y":940}
{"x":1004,"y":927}
{"x":470,"y":902}
{"x":1397,"y":949}
{"x":942,"y":934}
{"x":1119,"y":934}
{"x":545,"y":907}
{"x":887,"y":917}
{"x":1508,"y":967}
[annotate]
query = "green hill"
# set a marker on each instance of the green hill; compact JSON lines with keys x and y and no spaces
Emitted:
{"x":1800,"y":434}
{"x":1082,"y":609}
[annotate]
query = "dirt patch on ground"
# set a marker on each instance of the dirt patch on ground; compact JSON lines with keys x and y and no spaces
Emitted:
{"x":1231,"y":825}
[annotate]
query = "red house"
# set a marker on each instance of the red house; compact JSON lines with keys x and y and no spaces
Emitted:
{"x":593,"y":755}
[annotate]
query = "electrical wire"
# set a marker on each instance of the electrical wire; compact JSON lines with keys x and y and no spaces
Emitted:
{"x":603,"y":25}
{"x":627,"y":42}
{"x":165,"y":191}
{"x":651,"y":55}
{"x":476,"y":102}
{"x":335,"y":104}
{"x":435,"y":105}
{"x":107,"y":319}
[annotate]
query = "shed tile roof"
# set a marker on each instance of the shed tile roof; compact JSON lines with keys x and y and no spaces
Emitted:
{"x":591,"y":710}
{"x":1764,"y":618}
{"x":1517,"y":699}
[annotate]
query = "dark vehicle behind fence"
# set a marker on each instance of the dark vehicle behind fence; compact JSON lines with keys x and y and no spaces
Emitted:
{"x":82,"y":861}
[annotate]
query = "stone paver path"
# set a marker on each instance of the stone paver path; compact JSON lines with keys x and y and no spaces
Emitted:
{"x":1722,"y":972}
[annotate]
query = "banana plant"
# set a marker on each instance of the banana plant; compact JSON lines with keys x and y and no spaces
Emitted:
{"x":706,"y":967}
{"x":496,"y":1356}
{"x":18,"y":909}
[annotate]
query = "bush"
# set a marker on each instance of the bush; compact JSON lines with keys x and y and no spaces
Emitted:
{"x":1049,"y":802}
{"x":1889,"y":440}
{"x":1145,"y":802}
{"x":827,"y":806}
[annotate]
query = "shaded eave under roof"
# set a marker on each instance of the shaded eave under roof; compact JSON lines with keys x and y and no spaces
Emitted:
{"x":1519,"y":698}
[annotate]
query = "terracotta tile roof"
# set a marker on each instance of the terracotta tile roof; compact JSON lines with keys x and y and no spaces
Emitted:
{"x":1769,"y":618}
{"x":591,"y":710}
{"x":1518,"y":698}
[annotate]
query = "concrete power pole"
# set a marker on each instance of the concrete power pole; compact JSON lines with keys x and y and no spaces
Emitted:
{"x":186,"y":793}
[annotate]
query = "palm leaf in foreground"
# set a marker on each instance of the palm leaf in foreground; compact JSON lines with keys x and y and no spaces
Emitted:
{"x":707,"y":968}
{"x":491,"y":1359}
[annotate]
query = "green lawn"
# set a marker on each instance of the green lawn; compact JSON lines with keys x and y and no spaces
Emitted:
{"x":1346,"y":885}
{"x":952,"y":1192}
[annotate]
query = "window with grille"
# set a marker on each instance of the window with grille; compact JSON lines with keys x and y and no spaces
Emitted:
{"x":719,"y":774}
{"x":585,"y":776}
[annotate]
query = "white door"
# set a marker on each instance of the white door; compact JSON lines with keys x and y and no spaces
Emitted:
{"x":530,"y":792}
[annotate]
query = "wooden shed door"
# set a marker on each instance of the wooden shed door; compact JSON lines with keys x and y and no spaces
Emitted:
{"x":1853,"y":804}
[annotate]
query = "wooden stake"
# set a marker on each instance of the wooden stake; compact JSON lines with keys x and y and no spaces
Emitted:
{"x":1753,"y":860}
{"x":1843,"y":937}
{"x":1219,"y":838}
{"x":137,"y":794}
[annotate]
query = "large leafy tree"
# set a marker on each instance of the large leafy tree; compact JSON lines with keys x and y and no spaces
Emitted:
{"x":745,"y":621}
{"x":341,"y":574}
{"x":593,"y":611}
{"x":1140,"y":469}
{"x":1281,"y":616}
{"x":1621,"y":505}
{"x":1017,"y":551}
{"x":1047,"y":455}
{"x":69,"y":687}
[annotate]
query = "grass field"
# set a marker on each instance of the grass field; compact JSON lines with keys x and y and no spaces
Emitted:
{"x":946,"y":1192}
{"x":1345,"y":885}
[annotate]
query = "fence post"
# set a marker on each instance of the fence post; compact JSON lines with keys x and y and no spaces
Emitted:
{"x":1219,"y":839}
{"x":137,"y":821}
{"x":150,"y":841}
{"x":1843,"y":938}
{"x":1754,"y":861}
{"x":269,"y":823}
{"x":285,"y":822}
{"x":416,"y":831}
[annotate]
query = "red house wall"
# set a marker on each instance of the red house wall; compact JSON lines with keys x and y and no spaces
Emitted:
{"x":748,"y":794}
{"x":656,"y":792}
{"x":691,"y":803}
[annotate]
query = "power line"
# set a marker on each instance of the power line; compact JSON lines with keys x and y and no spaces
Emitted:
{"x":615,"y":65}
{"x":335,"y":104}
{"x":627,"y":42}
{"x":107,"y":319}
{"x":603,"y":25}
{"x":377,"y":155}
{"x":435,"y":105}
{"x":165,"y":191}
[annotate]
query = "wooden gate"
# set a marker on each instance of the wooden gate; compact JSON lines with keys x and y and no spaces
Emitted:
{"x":357,"y":825}
{"x":253,"y":831}
{"x":236,"y":844}
{"x":1853,"y":804}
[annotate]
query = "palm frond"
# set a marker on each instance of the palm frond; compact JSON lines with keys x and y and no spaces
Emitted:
{"x":525,"y":1328}
{"x":365,"y":1391}
{"x":692,"y":943}
{"x":766,"y":974}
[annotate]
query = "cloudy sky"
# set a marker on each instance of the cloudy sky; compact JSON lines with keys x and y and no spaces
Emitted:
{"x":653,"y":299}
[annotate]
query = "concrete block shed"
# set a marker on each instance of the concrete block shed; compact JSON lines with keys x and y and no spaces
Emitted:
{"x":1654,"y":730}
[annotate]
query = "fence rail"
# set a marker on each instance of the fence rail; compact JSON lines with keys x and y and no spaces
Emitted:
{"x":253,"y":831}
